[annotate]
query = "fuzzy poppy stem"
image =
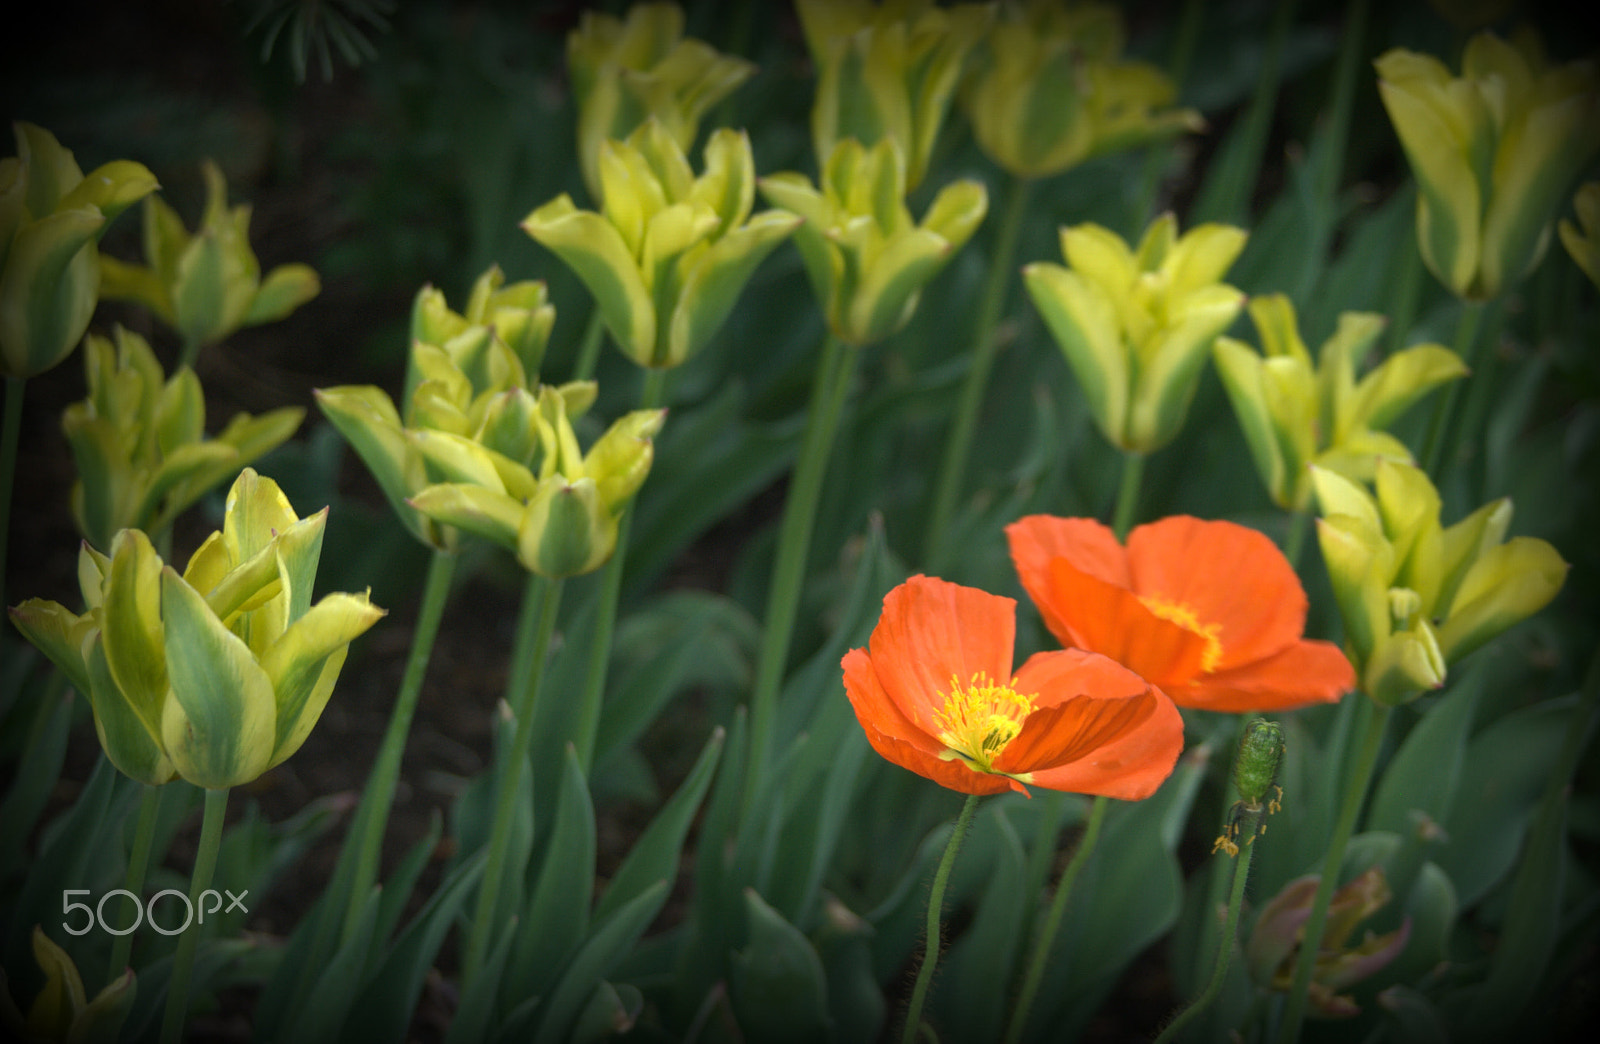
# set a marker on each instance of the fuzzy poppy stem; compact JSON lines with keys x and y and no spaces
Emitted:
{"x":205,"y":863}
{"x":1052,"y":922}
{"x":1219,"y":974}
{"x":834,"y":374}
{"x":651,"y":396}
{"x":933,"y":943}
{"x":985,"y":346}
{"x":534,"y":630}
{"x":1355,"y":792}
{"x":138,"y":864}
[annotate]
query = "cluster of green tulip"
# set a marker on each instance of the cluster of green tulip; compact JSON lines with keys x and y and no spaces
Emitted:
{"x":218,"y":674}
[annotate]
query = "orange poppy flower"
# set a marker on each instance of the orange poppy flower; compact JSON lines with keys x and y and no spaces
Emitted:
{"x":1210,"y":612}
{"x":935,"y":693}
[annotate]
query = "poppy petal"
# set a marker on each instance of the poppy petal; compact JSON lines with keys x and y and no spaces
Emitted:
{"x":1089,"y":545}
{"x":874,"y":707}
{"x":1306,"y":672}
{"x":1085,"y":701}
{"x":952,"y":773}
{"x":1130,"y":768}
{"x":932,"y":631}
{"x":1230,"y":576}
{"x":1089,"y":613}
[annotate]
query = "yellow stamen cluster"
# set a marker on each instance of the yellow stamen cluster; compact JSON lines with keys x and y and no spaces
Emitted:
{"x":1184,"y":617}
{"x":978,"y":719}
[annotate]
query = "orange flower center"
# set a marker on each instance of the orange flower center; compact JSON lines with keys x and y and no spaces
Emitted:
{"x":978,"y":719}
{"x":1184,"y":617}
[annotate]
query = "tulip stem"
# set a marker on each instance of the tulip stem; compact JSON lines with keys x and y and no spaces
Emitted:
{"x":589,"y":348}
{"x":205,"y":862}
{"x":958,"y":447}
{"x":378,"y":796}
{"x":1231,"y":182}
{"x":1355,"y":792}
{"x":1248,"y":821}
{"x":1128,"y":494}
{"x":9,"y":437}
{"x":534,"y":631}
{"x":651,"y":396}
{"x":1157,"y":156}
{"x":1294,"y":541}
{"x":138,"y":865}
{"x":1052,"y":921}
{"x":834,"y":374}
{"x":1433,"y":449}
{"x":933,"y":943}
{"x":190,"y":353}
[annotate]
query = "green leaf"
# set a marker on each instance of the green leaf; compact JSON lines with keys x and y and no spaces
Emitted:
{"x":37,"y":772}
{"x":612,"y":938}
{"x":654,"y":857}
{"x":976,"y":998}
{"x":327,"y":1008}
{"x":778,"y":988}
{"x":1425,"y":770}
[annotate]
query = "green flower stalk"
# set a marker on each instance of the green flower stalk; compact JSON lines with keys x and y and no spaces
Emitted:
{"x":63,"y":1013}
{"x":216,"y":675}
{"x":625,"y":71}
{"x":1051,"y":90}
{"x":669,"y":253}
{"x":1494,"y":151}
{"x":887,"y":71}
{"x":209,"y":284}
{"x":866,"y":258}
{"x":555,"y":507}
{"x":1584,"y":245}
{"x":1342,"y":962}
{"x":1295,"y":413}
{"x":1136,"y":325}
{"x":473,"y":375}
{"x":51,"y":217}
{"x":140,"y":443}
{"x":1416,"y":597}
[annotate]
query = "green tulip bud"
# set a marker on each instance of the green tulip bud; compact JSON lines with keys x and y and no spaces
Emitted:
{"x":519,"y":317}
{"x":1136,"y":325}
{"x":1294,"y":414}
{"x":1584,"y":246}
{"x":1416,"y":597}
{"x":209,"y":284}
{"x":216,"y":675}
{"x":557,"y":513}
{"x":670,"y":253}
{"x":624,"y":72}
{"x":887,"y":71}
{"x":1051,"y":90}
{"x":140,"y":443}
{"x":51,"y":218}
{"x":866,"y":259}
{"x":1493,"y":150}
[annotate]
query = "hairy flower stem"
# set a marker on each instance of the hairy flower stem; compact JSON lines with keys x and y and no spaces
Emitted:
{"x":985,"y":346}
{"x":1052,"y":921}
{"x":1466,"y":346}
{"x":1128,"y":494}
{"x":536,"y":624}
{"x":138,"y":865}
{"x":933,"y":943}
{"x":834,"y":373}
{"x":378,"y":796}
{"x":205,"y":862}
{"x":651,"y":396}
{"x":1219,"y":974}
{"x":10,"y":435}
{"x":1355,"y":792}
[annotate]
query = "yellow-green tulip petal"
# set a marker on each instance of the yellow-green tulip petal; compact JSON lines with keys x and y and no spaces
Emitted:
{"x":714,"y":284}
{"x":1506,"y":585}
{"x":565,"y":530}
{"x":1084,"y":323}
{"x":58,"y":633}
{"x":128,"y":741}
{"x":132,"y":626}
{"x":492,"y":515}
{"x":285,"y":288}
{"x":620,"y":460}
{"x":47,"y":290}
{"x":304,"y":664}
{"x":219,"y":726}
{"x":1403,"y":378}
{"x":1360,"y":564}
{"x":1405,"y":666}
{"x":593,"y":249}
